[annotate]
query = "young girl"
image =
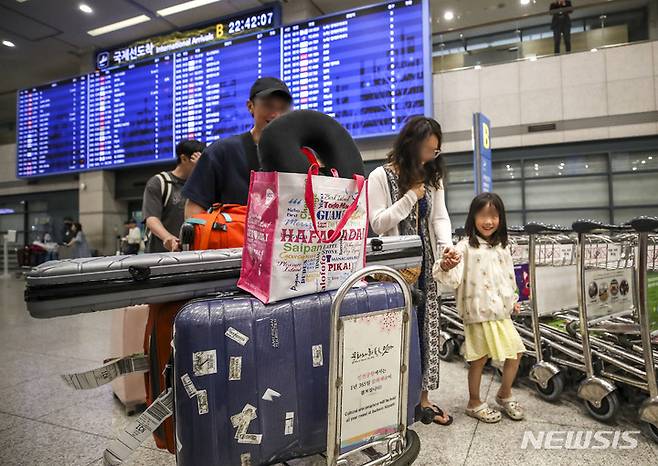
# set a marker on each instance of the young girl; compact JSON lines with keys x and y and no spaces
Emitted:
{"x":480,"y":268}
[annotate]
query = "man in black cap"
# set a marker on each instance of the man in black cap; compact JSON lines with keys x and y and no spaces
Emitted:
{"x":223,"y":171}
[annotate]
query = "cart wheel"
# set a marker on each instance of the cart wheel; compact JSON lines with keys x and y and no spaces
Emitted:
{"x":650,"y":430}
{"x":608,"y":410}
{"x":410,"y":453}
{"x":573,"y":328}
{"x":448,"y":350}
{"x":553,"y":389}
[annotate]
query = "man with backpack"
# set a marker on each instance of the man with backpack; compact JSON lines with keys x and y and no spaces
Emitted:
{"x":164,"y":204}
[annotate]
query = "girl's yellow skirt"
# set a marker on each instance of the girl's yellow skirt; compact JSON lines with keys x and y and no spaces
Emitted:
{"x":496,"y":339}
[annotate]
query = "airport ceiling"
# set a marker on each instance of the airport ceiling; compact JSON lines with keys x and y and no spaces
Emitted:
{"x":52,"y":41}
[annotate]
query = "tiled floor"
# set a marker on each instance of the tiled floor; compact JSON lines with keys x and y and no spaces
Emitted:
{"x":43,"y":422}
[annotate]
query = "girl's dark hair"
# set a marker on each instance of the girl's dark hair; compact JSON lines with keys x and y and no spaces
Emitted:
{"x":405,"y":154}
{"x":480,"y":202}
{"x":78,"y":227}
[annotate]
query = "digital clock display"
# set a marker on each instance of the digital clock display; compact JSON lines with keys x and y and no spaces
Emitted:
{"x":250,"y":23}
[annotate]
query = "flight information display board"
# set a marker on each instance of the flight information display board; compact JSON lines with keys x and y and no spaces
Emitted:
{"x":212,"y":85}
{"x":52,"y":128}
{"x":130,"y":114}
{"x":369,"y":68}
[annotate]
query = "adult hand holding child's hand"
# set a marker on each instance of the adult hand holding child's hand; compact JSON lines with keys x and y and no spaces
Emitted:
{"x":451,"y":258}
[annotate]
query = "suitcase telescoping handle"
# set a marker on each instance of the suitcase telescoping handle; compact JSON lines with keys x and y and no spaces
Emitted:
{"x":335,"y":363}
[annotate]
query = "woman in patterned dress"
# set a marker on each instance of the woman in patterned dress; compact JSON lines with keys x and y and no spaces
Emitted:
{"x":406,"y":197}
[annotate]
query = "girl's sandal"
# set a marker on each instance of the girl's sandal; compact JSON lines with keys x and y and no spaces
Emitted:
{"x":484,"y":413}
{"x":511,"y":408}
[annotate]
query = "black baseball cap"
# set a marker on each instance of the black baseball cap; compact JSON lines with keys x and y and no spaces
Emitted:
{"x":264,"y":87}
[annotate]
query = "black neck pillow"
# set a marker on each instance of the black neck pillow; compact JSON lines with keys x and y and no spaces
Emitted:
{"x":279,"y":148}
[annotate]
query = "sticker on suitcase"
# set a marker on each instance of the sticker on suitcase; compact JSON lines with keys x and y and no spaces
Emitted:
{"x":204,"y":362}
{"x":188,"y":385}
{"x":236,"y":336}
{"x":202,"y":402}
{"x":241,"y":423}
{"x":290,"y":423}
{"x":245,"y":459}
{"x":318,"y":360}
{"x":270,"y":394}
{"x":235,"y":368}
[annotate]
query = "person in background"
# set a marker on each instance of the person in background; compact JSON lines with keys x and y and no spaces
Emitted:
{"x":163,"y":203}
{"x":49,"y":246}
{"x":406,"y":197}
{"x":224,"y":170}
{"x":67,"y":233}
{"x":480,"y":267}
{"x":78,"y":243}
{"x":561,"y":23}
{"x":134,"y":237}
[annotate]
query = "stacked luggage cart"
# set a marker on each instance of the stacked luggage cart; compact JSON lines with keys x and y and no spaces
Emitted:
{"x":590,"y":321}
{"x":256,"y":384}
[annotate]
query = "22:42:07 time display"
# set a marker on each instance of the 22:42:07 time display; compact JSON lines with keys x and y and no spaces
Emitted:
{"x":241,"y":25}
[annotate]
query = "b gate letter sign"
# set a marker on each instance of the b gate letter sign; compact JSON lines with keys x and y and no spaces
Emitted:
{"x":481,"y":153}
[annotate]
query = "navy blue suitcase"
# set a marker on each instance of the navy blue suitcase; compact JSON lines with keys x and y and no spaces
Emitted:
{"x":281,"y":361}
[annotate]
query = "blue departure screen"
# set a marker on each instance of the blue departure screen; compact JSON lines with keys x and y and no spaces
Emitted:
{"x":52,"y":128}
{"x":369,"y":68}
{"x":212,"y":85}
{"x":130,"y":114}
{"x":365,"y":68}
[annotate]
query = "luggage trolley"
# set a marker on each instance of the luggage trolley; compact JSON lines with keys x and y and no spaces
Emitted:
{"x":555,"y":249}
{"x":648,"y":323}
{"x":598,"y":255}
{"x":389,"y":429}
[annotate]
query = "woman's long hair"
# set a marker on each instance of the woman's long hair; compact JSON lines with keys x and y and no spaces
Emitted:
{"x":405,"y":155}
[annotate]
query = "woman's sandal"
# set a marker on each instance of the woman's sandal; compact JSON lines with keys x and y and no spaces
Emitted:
{"x":511,"y":407}
{"x":427,"y":415}
{"x":484,"y":413}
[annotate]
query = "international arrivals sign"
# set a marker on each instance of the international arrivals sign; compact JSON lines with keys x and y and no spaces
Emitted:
{"x":225,"y":28}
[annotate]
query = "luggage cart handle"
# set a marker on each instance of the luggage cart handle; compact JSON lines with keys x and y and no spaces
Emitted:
{"x":535,"y":228}
{"x":644,"y":224}
{"x":333,"y":432}
{"x":593,"y":226}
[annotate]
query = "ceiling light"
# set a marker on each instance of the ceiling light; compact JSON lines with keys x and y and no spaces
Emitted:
{"x":85,"y":8}
{"x":650,"y":157}
{"x":594,"y":50}
{"x":634,"y":168}
{"x":184,"y":6}
{"x":477,"y":67}
{"x":533,"y":58}
{"x":120,"y":25}
{"x":643,"y":162}
{"x":448,"y":15}
{"x":8,"y":43}
{"x":525,"y":2}
{"x":586,"y":166}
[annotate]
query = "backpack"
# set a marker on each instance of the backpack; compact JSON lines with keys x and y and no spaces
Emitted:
{"x":166,"y":183}
{"x":221,"y":227}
